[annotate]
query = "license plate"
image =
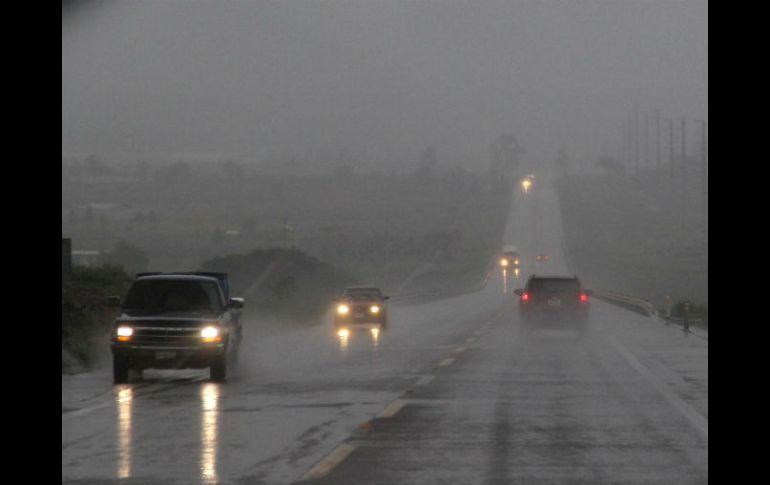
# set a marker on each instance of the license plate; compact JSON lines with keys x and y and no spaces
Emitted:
{"x":165,"y":355}
{"x":359,"y":315}
{"x":554,"y":302}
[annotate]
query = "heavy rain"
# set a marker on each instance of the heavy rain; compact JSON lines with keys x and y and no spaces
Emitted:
{"x":404,"y":241}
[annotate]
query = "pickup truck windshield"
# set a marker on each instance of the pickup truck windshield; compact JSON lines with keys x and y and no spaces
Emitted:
{"x":173,"y":296}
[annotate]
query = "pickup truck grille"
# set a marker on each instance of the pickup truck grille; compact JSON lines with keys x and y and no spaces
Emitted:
{"x":162,"y":336}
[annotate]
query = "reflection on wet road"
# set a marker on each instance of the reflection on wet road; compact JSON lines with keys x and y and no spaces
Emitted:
{"x":510,"y":280}
{"x":367,"y":334}
{"x":209,"y":420}
{"x":125,"y":397}
{"x":124,"y":402}
{"x":505,"y":281}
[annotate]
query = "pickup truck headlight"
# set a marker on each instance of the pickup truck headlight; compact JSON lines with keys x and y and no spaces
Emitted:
{"x":343,"y":309}
{"x":210,"y":334}
{"x":374,"y":309}
{"x":125,"y":333}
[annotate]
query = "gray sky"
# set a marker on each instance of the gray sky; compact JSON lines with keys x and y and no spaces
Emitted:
{"x":388,"y":78}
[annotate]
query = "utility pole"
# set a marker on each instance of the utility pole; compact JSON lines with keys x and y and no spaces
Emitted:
{"x":657,"y":138}
{"x":624,"y":140}
{"x":646,"y":140}
{"x":704,"y":177}
{"x":671,"y":159}
{"x":636,"y":137}
{"x":684,"y":170}
{"x":627,"y":139}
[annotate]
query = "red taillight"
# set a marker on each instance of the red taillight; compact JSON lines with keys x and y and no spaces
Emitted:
{"x":583,"y":297}
{"x":525,"y":297}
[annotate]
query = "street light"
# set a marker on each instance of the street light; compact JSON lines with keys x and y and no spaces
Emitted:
{"x":526,"y":184}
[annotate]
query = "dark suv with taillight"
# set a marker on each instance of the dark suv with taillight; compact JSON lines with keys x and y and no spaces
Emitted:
{"x":554,"y":301}
{"x":174,"y":321}
{"x":360,"y":307}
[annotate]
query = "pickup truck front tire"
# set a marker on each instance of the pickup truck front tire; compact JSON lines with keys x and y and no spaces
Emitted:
{"x":120,"y":369}
{"x":218,"y":369}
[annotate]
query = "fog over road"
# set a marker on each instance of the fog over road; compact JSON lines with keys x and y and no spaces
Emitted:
{"x":452,"y":392}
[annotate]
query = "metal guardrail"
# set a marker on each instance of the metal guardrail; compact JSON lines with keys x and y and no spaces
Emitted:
{"x":681,"y":320}
{"x":646,"y":308}
{"x":631,"y":302}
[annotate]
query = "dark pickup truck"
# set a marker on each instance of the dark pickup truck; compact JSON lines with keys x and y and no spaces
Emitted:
{"x":176,"y":321}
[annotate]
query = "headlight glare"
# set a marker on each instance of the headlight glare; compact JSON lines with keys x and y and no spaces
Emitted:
{"x":210,"y":334}
{"x":343,"y":309}
{"x":374,"y":309}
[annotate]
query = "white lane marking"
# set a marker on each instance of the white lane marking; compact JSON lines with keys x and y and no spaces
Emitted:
{"x":470,"y":340}
{"x":323,"y":467}
{"x":392,"y":409}
{"x":424,"y":380}
{"x":446,"y":362}
{"x":460,"y":349}
{"x":697,"y":420}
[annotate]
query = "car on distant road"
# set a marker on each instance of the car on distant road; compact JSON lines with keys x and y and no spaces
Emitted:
{"x":554,"y":301}
{"x":510,"y":257}
{"x":174,"y":321}
{"x":360,"y":307}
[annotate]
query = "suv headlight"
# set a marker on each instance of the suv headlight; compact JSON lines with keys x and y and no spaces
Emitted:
{"x":374,"y":309}
{"x":210,"y":334}
{"x":124,"y":333}
{"x":343,"y":309}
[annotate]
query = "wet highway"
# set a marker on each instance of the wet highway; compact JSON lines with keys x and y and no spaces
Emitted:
{"x":452,"y":392}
